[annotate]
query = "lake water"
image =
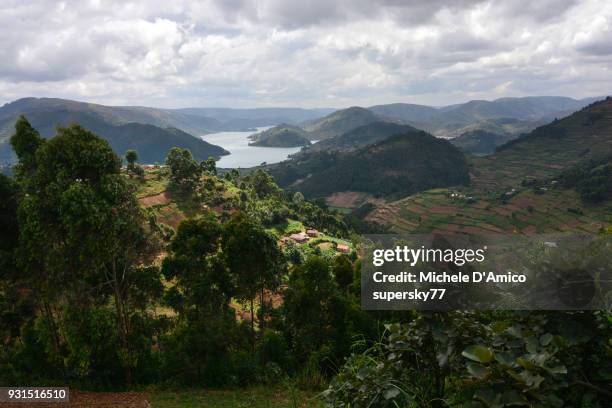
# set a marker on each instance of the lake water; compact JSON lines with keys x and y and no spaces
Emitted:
{"x":243,"y":155}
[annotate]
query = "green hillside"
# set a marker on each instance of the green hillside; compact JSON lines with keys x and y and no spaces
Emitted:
{"x":397,"y":166}
{"x":361,"y":136}
{"x":340,"y":122}
{"x":152,"y":142}
{"x":115,"y":115}
{"x":283,"y":135}
{"x":549,"y":149}
{"x":481,"y":142}
{"x":557,"y":178}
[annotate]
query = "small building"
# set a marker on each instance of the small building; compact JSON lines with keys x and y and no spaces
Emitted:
{"x":299,"y":237}
{"x":312,"y":232}
{"x":343,"y":248}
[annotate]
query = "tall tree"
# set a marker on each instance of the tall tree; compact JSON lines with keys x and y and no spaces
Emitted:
{"x":82,"y":227}
{"x":131,"y":156}
{"x":185,"y":172}
{"x":25,"y":142}
{"x":209,"y":166}
{"x":255,"y":259}
{"x":201,"y":295}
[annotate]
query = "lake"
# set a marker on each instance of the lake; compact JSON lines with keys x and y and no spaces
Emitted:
{"x":243,"y":155}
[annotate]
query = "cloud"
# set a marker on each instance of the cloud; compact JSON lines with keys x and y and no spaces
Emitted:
{"x":319,"y":53}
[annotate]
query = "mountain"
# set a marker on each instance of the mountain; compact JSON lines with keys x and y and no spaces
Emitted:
{"x":151,"y":142}
{"x":396,"y":166}
{"x":360,"y":137}
{"x":116,"y":115}
{"x":553,"y":179}
{"x":526,"y":108}
{"x":407,"y":112}
{"x":257,"y":117}
{"x":340,"y":122}
{"x":547,"y":150}
{"x":504,"y":115}
{"x":283,"y":135}
{"x":481,"y":142}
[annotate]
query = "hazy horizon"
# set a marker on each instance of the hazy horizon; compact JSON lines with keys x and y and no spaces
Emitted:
{"x":303,"y":107}
{"x":320,"y":54}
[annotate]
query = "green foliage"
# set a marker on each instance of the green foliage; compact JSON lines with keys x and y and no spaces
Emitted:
{"x":25,"y":142}
{"x":433,"y":163}
{"x":263,"y":184}
{"x":131,"y":156}
{"x":320,"y":320}
{"x":282,"y":135}
{"x":9,"y":228}
{"x":209,"y":166}
{"x":184,"y":170}
{"x":255,"y":260}
{"x":342,"y":270}
{"x":494,"y":359}
{"x":80,"y":224}
{"x":592,"y":179}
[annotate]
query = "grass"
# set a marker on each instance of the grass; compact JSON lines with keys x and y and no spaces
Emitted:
{"x":254,"y":397}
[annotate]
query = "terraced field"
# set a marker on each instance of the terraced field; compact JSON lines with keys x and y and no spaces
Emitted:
{"x":548,"y":150}
{"x":525,"y":213}
{"x":497,"y":200}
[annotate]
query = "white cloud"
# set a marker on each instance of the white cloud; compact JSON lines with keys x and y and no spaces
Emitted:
{"x":317,"y":53}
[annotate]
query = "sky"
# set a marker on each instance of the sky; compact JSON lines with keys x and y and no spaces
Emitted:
{"x":315,"y":53}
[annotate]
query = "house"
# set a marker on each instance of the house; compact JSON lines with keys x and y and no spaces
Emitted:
{"x":312,"y":232}
{"x":300,"y":237}
{"x":343,"y":248}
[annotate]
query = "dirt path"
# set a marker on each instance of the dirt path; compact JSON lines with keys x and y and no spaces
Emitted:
{"x":91,"y":400}
{"x":157,"y":199}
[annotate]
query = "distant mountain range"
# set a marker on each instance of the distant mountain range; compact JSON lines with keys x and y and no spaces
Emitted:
{"x":480,"y":126}
{"x":232,"y":119}
{"x":451,"y":121}
{"x":582,"y":136}
{"x":151,"y":131}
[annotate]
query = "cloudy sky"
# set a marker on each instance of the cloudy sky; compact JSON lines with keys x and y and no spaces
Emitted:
{"x":315,"y":53}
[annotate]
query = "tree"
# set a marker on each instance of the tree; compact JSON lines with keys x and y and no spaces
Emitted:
{"x":255,"y":259}
{"x":25,"y":142}
{"x":209,"y":166}
{"x":202,"y":294}
{"x":131,"y":156}
{"x":197,"y":265}
{"x":298,"y":199}
{"x":9,"y":229}
{"x":343,"y":272}
{"x":81,"y":226}
{"x":185,"y":172}
{"x":263,"y":184}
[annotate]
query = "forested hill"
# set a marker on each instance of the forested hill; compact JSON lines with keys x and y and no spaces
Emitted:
{"x":397,"y":166}
{"x":151,"y":141}
{"x":115,"y":115}
{"x":283,"y":135}
{"x":340,"y":122}
{"x":584,"y":135}
{"x":362,"y":136}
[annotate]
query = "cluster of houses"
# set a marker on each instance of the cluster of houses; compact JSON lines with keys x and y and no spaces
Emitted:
{"x":303,"y":237}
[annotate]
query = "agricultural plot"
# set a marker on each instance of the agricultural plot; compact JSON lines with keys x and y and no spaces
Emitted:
{"x":525,"y":213}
